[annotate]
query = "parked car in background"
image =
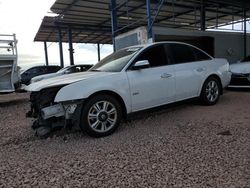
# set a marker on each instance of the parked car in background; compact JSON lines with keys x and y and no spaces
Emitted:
{"x":240,"y":74}
{"x":129,"y":80}
{"x":28,"y":74}
{"x":67,"y":70}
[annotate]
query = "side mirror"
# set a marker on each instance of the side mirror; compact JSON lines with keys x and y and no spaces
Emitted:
{"x":141,"y":65}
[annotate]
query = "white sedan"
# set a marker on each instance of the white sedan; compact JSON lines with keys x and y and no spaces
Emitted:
{"x":127,"y":81}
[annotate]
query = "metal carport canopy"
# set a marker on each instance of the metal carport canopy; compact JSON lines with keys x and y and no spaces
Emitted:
{"x":90,"y":21}
{"x":48,"y":31}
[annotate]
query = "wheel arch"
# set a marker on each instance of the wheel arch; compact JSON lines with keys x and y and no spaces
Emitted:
{"x":116,"y":96}
{"x":216,"y":77}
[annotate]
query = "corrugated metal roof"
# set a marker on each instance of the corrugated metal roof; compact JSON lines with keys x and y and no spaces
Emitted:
{"x":90,"y":21}
{"x":48,"y":31}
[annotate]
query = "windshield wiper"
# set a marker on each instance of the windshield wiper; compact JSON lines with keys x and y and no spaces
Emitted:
{"x":95,"y":70}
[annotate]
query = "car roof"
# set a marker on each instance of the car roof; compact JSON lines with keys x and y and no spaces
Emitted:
{"x":45,"y":66}
{"x":155,"y":43}
{"x":166,"y":42}
{"x":80,"y":65}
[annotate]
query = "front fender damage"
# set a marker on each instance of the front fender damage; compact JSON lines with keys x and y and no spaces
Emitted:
{"x":49,"y":115}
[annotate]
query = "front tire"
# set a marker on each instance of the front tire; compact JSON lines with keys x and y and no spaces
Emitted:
{"x":210,"y":92}
{"x":101,"y":115}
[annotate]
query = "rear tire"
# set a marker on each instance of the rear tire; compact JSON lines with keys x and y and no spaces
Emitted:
{"x":101,"y":115}
{"x":210,"y":92}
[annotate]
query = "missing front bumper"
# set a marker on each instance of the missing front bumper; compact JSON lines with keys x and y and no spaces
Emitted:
{"x":52,"y":111}
{"x":59,"y":110}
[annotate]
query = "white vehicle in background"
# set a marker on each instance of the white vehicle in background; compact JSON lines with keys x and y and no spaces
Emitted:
{"x":127,"y":81}
{"x":9,"y":71}
{"x":240,"y":74}
{"x":67,"y":70}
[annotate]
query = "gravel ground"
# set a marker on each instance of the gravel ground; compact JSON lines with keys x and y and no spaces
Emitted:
{"x":187,"y":145}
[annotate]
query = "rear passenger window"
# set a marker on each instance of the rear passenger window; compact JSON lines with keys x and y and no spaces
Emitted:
{"x":200,"y":55}
{"x":156,"y":56}
{"x":181,"y":53}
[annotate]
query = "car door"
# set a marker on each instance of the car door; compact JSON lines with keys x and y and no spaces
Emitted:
{"x":189,"y":72}
{"x":155,"y":85}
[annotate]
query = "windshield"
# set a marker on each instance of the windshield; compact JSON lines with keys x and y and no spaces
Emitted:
{"x":116,"y":61}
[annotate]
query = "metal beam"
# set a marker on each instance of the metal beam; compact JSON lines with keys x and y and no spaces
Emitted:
{"x":149,"y":19}
{"x":71,"y":50}
{"x":98,"y":52}
{"x":203,"y":17}
{"x":157,"y":12}
{"x":245,"y":33}
{"x":46,"y":53}
{"x":113,"y":20}
{"x":60,"y":47}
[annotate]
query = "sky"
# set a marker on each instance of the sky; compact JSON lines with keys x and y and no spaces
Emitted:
{"x":23,"y":17}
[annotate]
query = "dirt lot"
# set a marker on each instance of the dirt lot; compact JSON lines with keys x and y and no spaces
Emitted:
{"x":187,"y":145}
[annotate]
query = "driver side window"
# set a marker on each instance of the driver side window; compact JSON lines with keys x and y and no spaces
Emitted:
{"x":156,"y":55}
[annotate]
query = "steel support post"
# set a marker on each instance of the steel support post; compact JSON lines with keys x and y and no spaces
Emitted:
{"x":71,"y":50}
{"x":46,"y":53}
{"x":98,"y":52}
{"x":245,"y":34}
{"x":203,"y":17}
{"x":60,"y":47}
{"x":113,"y":21}
{"x":150,"y":33}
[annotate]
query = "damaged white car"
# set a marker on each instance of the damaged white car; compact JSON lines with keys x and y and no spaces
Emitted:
{"x":127,"y":81}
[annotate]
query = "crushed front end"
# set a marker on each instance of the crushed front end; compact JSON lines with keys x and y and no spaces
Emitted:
{"x":49,"y":115}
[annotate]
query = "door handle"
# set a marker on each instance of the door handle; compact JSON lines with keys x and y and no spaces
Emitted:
{"x":200,"y":69}
{"x":166,"y":75}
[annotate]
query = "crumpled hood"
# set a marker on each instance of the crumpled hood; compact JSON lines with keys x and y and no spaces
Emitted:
{"x":64,"y":80}
{"x":240,"y":68}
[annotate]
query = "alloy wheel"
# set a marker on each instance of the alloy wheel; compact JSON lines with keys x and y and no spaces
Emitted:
{"x":102,"y":116}
{"x":212,"y":91}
